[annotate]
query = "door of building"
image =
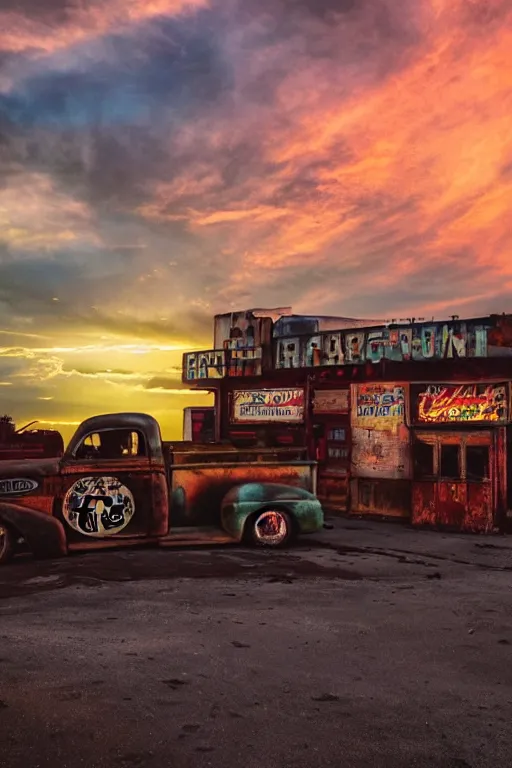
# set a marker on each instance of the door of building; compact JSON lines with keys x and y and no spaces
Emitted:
{"x":332,"y":451}
{"x":456,"y":479}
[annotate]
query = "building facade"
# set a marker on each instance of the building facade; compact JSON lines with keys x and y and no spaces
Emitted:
{"x":406,"y":420}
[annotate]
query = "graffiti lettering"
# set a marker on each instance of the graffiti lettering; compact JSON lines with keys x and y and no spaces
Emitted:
{"x":98,"y":506}
{"x":438,"y":403}
{"x":416,"y":342}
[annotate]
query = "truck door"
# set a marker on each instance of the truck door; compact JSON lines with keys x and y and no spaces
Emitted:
{"x":106,"y":486}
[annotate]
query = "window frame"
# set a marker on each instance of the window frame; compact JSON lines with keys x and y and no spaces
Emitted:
{"x":460,"y":468}
{"x":141,"y":437}
{"x":426,"y":476}
{"x":463,"y":442}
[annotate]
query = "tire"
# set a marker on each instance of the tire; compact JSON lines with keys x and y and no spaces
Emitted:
{"x":271,"y":528}
{"x":7,"y":543}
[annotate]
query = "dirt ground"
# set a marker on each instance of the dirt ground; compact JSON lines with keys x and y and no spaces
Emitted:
{"x":366,"y":645}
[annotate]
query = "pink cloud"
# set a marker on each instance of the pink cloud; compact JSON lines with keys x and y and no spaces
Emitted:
{"x":20,"y":32}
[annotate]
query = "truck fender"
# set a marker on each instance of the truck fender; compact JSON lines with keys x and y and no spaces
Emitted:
{"x":45,"y":535}
{"x":242,"y":501}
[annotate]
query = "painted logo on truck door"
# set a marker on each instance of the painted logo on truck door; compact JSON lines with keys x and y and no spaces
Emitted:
{"x":98,"y":506}
{"x":14,"y":485}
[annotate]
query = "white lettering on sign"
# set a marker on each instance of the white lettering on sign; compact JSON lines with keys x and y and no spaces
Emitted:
{"x":286,"y":405}
{"x":17,"y":485}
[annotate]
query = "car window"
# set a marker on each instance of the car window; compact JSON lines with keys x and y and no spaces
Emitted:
{"x":112,"y":444}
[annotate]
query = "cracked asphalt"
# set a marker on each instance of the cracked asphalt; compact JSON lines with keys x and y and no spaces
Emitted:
{"x":367,"y":645}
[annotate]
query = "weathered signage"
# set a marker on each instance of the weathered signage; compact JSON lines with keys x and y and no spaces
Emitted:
{"x":17,"y":485}
{"x":379,"y":401}
{"x":448,"y":403}
{"x":418,"y":342}
{"x":270,"y":405}
{"x":331,"y":401}
{"x":380,"y":437}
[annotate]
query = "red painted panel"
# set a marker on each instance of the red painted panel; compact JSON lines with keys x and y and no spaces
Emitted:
{"x":424,"y":503}
{"x":479,"y":508}
{"x":451,"y":504}
{"x":466,"y":507}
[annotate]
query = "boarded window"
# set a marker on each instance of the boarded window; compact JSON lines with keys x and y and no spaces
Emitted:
{"x":423,"y":460}
{"x":450,"y":462}
{"x":477,"y":462}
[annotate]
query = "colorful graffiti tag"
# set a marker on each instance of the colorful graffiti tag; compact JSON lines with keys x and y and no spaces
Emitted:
{"x":98,"y":506}
{"x":377,"y":401}
{"x":380,"y":437}
{"x":443,"y":403}
{"x":216,"y":364}
{"x":430,"y":341}
{"x":284,"y":405}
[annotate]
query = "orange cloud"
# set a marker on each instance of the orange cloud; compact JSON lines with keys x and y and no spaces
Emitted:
{"x":344,"y":158}
{"x":36,"y":214}
{"x":411,"y":166}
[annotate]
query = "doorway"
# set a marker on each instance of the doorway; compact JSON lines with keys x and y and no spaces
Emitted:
{"x":455,"y":480}
{"x":332,"y":452}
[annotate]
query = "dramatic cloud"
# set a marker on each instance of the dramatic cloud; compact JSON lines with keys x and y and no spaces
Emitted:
{"x":167,"y":159}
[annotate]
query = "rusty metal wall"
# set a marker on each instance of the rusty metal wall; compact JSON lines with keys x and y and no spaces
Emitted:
{"x":458,"y":503}
{"x":386,"y":498}
{"x":333,"y":491}
{"x":456,"y":506}
{"x":198,"y":490}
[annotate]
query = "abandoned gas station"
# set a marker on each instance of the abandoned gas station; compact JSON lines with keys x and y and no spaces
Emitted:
{"x":407,"y":420}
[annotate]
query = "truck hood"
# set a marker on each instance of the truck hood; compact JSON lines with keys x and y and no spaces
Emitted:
{"x":29,"y":468}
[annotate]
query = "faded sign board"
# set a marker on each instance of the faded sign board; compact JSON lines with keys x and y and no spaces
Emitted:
{"x":331,"y":401}
{"x":380,"y":439}
{"x":417,"y":342}
{"x":460,"y":403}
{"x":378,"y":405}
{"x":268,"y":405}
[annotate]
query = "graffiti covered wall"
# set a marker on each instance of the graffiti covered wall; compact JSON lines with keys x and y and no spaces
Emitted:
{"x":428,"y":341}
{"x":380,"y":437}
{"x":242,"y":330}
{"x":450,"y":404}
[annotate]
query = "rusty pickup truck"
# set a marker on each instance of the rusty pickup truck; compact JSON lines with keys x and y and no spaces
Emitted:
{"x":117,"y":484}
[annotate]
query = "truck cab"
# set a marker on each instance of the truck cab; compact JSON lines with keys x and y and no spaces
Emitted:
{"x":117,"y":484}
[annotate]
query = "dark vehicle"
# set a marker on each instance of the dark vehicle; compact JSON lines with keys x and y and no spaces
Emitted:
{"x":118,"y":484}
{"x":25,"y":443}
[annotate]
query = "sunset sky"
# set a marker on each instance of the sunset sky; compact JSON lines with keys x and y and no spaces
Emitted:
{"x":163,"y":160}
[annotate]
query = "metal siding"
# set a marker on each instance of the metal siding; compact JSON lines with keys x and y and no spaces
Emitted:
{"x":198,"y":491}
{"x":385,"y":498}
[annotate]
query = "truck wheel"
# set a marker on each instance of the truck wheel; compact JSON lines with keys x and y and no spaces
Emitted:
{"x":271,"y":528}
{"x":7,"y":541}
